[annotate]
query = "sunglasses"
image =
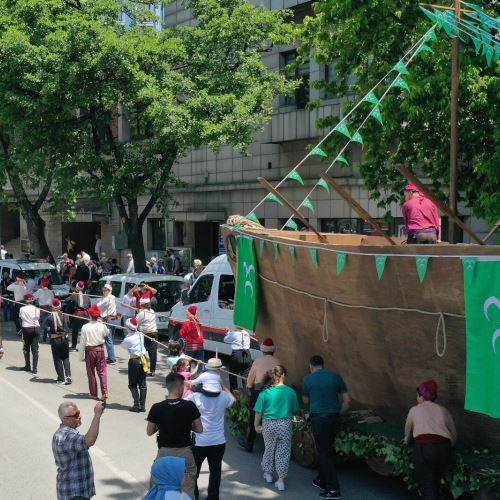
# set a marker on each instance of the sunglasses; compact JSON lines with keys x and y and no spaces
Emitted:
{"x":75,"y":415}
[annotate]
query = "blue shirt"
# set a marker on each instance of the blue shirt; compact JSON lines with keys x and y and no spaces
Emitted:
{"x":323,"y":388}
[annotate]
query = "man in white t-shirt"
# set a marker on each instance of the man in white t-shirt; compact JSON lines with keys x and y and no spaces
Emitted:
{"x":3,"y":252}
{"x":211,"y":443}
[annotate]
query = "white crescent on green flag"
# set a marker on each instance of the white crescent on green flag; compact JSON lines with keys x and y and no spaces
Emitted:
{"x":246,"y":308}
{"x":482,"y":317}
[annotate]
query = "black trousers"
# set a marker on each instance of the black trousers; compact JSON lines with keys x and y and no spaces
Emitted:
{"x":30,"y":342}
{"x":254,"y":394}
{"x":76,"y":325}
{"x":136,"y":374}
{"x":430,"y":462}
{"x":151,"y":347}
{"x":325,"y":426}
{"x":15,"y":316}
{"x":60,"y":355}
{"x":214,"y":455}
{"x":240,"y":362}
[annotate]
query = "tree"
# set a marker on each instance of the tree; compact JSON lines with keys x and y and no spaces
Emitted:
{"x":179,"y":89}
{"x":364,"y":40}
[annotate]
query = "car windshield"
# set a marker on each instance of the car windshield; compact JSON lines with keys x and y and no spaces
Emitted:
{"x":168,"y":293}
{"x":38,"y":274}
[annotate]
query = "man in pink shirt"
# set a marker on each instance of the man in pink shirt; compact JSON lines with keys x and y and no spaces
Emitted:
{"x":420,"y":216}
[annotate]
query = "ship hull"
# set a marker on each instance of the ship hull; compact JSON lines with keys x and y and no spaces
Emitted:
{"x":383,"y":335}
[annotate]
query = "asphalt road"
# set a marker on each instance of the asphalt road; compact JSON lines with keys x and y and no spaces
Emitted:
{"x":123,"y":453}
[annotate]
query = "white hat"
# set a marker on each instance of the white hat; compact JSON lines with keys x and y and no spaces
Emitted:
{"x":108,"y":287}
{"x":213,"y":364}
{"x":144,"y":300}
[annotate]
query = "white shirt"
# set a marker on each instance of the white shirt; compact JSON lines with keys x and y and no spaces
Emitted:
{"x":30,"y":285}
{"x":29,"y":316}
{"x":134,"y":343}
{"x":98,"y":248}
{"x":210,"y":381}
{"x":4,"y":253}
{"x":18,"y":289}
{"x":92,"y":334}
{"x":128,"y":300}
{"x":44,"y":296}
{"x":130,"y":267}
{"x":146,"y":321}
{"x":212,"y":417}
{"x":239,"y":340}
{"x":107,"y":305}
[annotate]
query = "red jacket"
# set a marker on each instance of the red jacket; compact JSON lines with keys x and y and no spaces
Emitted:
{"x":192,"y":333}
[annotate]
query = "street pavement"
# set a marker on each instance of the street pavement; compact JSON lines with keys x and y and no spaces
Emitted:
{"x":124,"y":453}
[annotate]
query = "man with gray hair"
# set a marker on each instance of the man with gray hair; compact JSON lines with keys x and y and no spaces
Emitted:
{"x":75,"y":475}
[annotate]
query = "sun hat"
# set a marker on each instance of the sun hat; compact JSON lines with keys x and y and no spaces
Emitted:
{"x":213,"y":364}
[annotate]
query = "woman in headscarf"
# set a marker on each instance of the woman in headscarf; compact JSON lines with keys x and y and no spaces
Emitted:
{"x":168,"y":474}
{"x":192,"y":334}
{"x":433,"y":430}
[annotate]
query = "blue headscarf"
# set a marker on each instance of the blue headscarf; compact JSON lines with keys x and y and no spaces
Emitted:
{"x":168,"y":473}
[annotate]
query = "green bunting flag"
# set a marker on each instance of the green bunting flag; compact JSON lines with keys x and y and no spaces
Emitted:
{"x":449,"y":25}
{"x":295,"y":176}
{"x":489,"y":55}
{"x":324,"y":184}
{"x":292,"y":225}
{"x":261,"y":247}
{"x":429,"y":14}
{"x":317,"y":151}
{"x":308,"y":204}
{"x":341,"y":260}
{"x":424,"y":48}
{"x":421,"y":263}
{"x":292,"y":253}
{"x":342,"y":159}
{"x":371,"y":98}
{"x":380,"y":261}
{"x":401,"y":68}
{"x":251,"y":216}
{"x":314,"y":256}
{"x":357,"y":138}
{"x":399,"y":82}
{"x":477,"y":44}
{"x":273,"y":197}
{"x":430,"y":36}
{"x":482,"y":333}
{"x":375,"y":112}
{"x":235,"y":227}
{"x":342,"y":128}
{"x":276,"y":250}
{"x":469,"y":264}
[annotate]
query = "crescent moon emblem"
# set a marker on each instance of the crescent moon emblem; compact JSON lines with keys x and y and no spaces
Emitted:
{"x":490,"y":302}
{"x":248,"y":284}
{"x":494,"y":339}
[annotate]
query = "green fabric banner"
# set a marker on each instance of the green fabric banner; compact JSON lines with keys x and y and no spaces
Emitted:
{"x":308,"y":204}
{"x":317,"y":151}
{"x":430,"y":36}
{"x":276,"y":250}
{"x":357,"y":138}
{"x":261,"y":246}
{"x":314,"y":256}
{"x":371,"y":98}
{"x":295,"y":176}
{"x":422,"y":263}
{"x":254,"y":218}
{"x":482,"y":312}
{"x":469,"y":264}
{"x":400,"y":67}
{"x":399,"y":82}
{"x":341,"y":159}
{"x":341,"y":260}
{"x":342,"y":128}
{"x":246,"y":309}
{"x":375,"y":113}
{"x":324,"y":184}
{"x":292,"y":225}
{"x":380,"y":261}
{"x":424,"y":48}
{"x":291,"y":248}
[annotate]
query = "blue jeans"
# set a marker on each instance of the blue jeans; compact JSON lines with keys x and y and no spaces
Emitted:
{"x":109,"y":341}
{"x":7,"y":310}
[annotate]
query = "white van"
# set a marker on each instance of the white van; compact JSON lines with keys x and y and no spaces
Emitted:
{"x":168,"y":292}
{"x":213,"y":295}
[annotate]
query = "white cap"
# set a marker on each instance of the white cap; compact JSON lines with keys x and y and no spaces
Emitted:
{"x":145,"y":300}
{"x":108,"y":286}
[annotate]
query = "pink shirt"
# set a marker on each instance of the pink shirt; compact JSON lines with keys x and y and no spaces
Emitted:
{"x":187,"y":389}
{"x":420,"y":213}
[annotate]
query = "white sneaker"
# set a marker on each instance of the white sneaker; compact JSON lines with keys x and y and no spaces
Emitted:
{"x":280,"y":484}
{"x":268,"y":477}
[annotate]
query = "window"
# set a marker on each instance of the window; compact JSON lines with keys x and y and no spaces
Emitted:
{"x":178,"y":234}
{"x":201,"y":289}
{"x":331,"y":77}
{"x":226,"y":292}
{"x":300,"y":97}
{"x":300,"y":224}
{"x":368,"y":230}
{"x":157,"y":232}
{"x":344,"y":226}
{"x":116,"y":288}
{"x":38,"y":274}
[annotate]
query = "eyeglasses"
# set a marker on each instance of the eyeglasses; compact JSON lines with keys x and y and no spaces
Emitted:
{"x":75,"y":415}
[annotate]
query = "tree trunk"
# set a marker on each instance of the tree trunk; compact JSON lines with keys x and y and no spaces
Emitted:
{"x":36,"y":232}
{"x":133,"y":229}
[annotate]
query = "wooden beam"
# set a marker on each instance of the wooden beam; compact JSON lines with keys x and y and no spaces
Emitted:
{"x":356,"y":207}
{"x":443,"y":7}
{"x":410,"y":177}
{"x":492,"y":232}
{"x":299,"y":216}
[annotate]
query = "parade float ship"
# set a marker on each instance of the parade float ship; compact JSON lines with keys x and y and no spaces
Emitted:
{"x":386,"y":315}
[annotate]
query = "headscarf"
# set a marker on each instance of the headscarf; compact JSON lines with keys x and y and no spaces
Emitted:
{"x":428,"y":390}
{"x":167,"y":473}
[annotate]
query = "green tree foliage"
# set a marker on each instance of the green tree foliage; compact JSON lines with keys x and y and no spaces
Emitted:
{"x":364,"y":40}
{"x":75,"y":68}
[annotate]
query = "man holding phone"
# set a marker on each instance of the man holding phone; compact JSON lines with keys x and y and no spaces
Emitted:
{"x":143,"y":291}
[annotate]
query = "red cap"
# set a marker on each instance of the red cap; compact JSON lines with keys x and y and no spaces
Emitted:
{"x":80,"y":285}
{"x":94,"y":311}
{"x":267,"y":345}
{"x":44,"y":282}
{"x":133,"y":321}
{"x":428,"y":390}
{"x":412,"y":188}
{"x":56,"y":303}
{"x":192,"y":310}
{"x":28,"y":296}
{"x":20,"y":276}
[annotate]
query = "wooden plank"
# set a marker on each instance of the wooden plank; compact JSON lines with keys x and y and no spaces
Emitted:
{"x":299,"y":216}
{"x":356,"y":206}
{"x":410,"y":177}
